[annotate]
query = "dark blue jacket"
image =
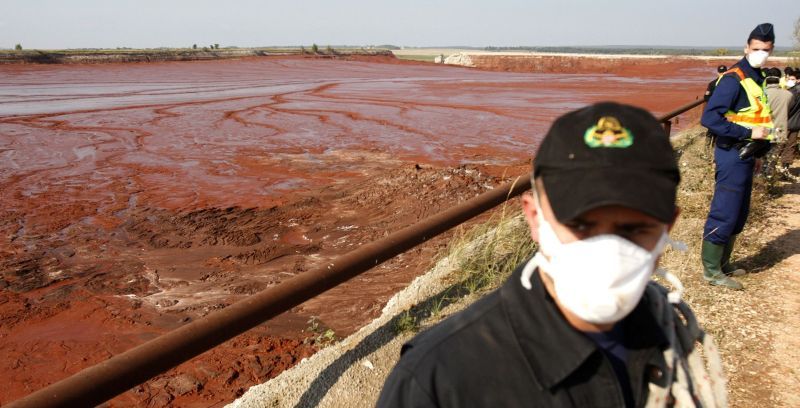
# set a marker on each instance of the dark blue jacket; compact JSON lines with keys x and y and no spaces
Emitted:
{"x":729,"y":96}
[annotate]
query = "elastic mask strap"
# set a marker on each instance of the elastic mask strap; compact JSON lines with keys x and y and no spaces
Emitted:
{"x":674,"y":296}
{"x":529,"y":269}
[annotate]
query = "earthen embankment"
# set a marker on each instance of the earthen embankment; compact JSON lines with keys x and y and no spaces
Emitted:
{"x":162,"y":55}
{"x":591,"y":64}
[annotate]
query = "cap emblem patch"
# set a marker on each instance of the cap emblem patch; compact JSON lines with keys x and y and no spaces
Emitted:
{"x":608,"y":132}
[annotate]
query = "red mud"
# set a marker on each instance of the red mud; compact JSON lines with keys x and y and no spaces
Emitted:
{"x":135,"y":198}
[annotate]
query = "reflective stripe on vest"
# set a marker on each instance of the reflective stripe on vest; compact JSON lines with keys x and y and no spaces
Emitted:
{"x":759,"y":112}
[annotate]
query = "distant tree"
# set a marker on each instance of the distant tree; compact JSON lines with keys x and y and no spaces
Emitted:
{"x":796,"y":34}
{"x":721,"y":51}
{"x":795,"y":61}
{"x":194,"y":46}
{"x":216,"y":46}
{"x":314,"y":49}
{"x":18,"y":47}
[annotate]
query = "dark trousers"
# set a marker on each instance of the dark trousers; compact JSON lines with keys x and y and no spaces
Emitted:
{"x":788,"y":150}
{"x":731,"y":203}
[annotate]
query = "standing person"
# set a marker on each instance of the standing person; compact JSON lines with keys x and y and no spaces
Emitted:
{"x":740,"y":118}
{"x":789,"y":151}
{"x":779,"y":101}
{"x":713,"y":84}
{"x":581,"y":323}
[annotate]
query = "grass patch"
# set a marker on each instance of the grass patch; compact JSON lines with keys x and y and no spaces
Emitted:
{"x":502,"y":244}
{"x":483,"y":255}
{"x":407,"y":322}
{"x":423,"y":58}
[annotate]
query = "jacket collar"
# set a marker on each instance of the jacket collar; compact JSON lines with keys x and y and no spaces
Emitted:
{"x":552,"y":347}
{"x":749,"y":71}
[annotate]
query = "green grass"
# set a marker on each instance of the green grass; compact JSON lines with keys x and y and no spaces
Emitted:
{"x":406,"y":323}
{"x":423,"y":58}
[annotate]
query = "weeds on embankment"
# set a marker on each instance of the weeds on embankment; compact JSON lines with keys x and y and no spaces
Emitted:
{"x":484,"y":255}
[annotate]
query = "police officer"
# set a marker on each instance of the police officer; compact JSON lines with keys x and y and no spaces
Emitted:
{"x":740,"y":119}
{"x":580,"y":323}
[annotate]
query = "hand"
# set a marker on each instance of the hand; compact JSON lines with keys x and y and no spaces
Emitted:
{"x":759,"y":133}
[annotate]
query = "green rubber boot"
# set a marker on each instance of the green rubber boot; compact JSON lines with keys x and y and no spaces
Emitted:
{"x":727,"y":268}
{"x":711,"y":254}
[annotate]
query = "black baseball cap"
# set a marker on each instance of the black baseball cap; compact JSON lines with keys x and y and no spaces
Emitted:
{"x":773,"y":73}
{"x":608,"y":154}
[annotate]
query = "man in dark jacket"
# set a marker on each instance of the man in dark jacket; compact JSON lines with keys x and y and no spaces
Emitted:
{"x":580,"y":324}
{"x":739,"y":116}
{"x":789,"y":152}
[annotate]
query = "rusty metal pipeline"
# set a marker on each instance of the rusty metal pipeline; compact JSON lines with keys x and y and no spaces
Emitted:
{"x":666,"y":119}
{"x":114,"y":376}
{"x":691,"y":105}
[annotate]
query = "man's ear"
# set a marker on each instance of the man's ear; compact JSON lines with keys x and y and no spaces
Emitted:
{"x":530,"y":211}
{"x":674,"y":219}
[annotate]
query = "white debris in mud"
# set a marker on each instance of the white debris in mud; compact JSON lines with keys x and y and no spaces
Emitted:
{"x":459,"y":59}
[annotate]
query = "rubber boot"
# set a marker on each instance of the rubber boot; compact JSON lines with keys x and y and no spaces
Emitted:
{"x":711,"y":254}
{"x":727,"y":268}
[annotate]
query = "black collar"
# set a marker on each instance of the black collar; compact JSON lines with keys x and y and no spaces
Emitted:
{"x":751,"y":72}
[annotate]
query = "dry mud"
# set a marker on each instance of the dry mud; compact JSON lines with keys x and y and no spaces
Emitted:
{"x":137,"y":197}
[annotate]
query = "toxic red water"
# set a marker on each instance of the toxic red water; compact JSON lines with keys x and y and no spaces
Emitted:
{"x":136,"y":197}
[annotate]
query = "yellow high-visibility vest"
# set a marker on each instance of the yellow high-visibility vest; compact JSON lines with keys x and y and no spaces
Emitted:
{"x":759,"y":112}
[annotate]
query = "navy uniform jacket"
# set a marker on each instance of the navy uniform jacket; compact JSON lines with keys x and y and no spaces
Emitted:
{"x":514,"y":348}
{"x":729,"y":96}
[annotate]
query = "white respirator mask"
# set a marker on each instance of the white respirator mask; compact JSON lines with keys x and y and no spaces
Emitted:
{"x":791,"y":83}
{"x":600,"y":279}
{"x":757,"y":58}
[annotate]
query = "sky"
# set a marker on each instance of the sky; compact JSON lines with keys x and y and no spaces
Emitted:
{"x":56,"y":24}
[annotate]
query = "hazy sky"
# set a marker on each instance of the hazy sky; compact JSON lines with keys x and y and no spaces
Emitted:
{"x":179,"y":23}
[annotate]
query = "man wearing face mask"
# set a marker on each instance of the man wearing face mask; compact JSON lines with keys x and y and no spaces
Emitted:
{"x":579,"y":324}
{"x":739,"y":117}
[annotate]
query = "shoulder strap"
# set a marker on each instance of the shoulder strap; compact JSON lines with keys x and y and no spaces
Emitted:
{"x":737,"y":71}
{"x":675,"y":317}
